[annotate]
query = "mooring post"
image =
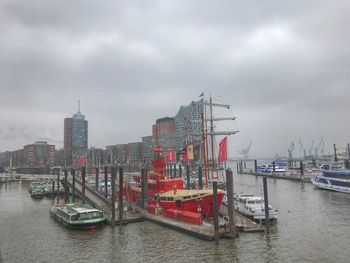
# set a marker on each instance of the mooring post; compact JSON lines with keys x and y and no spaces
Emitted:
{"x":106,"y":182}
{"x":255,"y":166}
{"x":97,"y":170}
{"x":73,"y":184}
{"x":200,"y":178}
{"x":121,"y":205}
{"x":53,"y":186}
{"x":143,"y":187}
{"x":301,"y":170}
{"x":180,"y":171}
{"x":267,"y":215}
{"x":188,"y":185}
{"x":66,"y":189}
{"x":113,"y":175}
{"x":335,"y":153}
{"x":238,"y":167}
{"x":83,"y":171}
{"x":58,"y":184}
{"x":216,"y":212}
{"x":230,"y":203}
{"x":273,"y":166}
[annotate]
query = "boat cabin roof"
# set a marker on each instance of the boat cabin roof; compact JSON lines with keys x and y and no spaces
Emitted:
{"x":188,"y":192}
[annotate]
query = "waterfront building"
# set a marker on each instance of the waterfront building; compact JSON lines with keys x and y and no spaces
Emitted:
{"x":134,"y":152}
{"x":75,"y":138}
{"x":95,"y":156}
{"x":116,"y":154}
{"x":189,"y":123}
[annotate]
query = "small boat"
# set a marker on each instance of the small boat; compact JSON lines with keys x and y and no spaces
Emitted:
{"x":335,"y":180}
{"x":280,"y":166}
{"x":37,"y":193}
{"x":77,"y":215}
{"x":253,"y":207}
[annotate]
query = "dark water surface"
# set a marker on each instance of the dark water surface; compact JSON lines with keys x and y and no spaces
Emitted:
{"x":314,"y":226}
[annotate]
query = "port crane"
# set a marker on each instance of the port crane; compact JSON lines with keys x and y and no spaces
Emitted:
{"x":290,"y":151}
{"x":319,"y":148}
{"x":301,"y":148}
{"x":245,"y":151}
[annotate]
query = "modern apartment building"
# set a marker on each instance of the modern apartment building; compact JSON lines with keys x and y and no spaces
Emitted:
{"x":75,"y":138}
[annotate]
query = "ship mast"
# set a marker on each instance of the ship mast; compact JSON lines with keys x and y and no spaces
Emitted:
{"x":212,"y":133}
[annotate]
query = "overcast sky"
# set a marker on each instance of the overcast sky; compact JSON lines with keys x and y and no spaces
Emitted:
{"x":283,"y":66}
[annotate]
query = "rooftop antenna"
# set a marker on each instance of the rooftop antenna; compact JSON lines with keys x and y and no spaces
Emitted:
{"x":79,"y":106}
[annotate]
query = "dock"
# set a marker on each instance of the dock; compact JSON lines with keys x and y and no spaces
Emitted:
{"x":133,"y":214}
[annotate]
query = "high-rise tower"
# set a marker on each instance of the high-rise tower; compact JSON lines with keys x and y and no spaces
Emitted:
{"x":75,"y":138}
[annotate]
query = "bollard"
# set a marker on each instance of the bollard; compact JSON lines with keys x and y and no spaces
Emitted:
{"x":267,"y":216}
{"x":121,"y":205}
{"x":83,"y":171}
{"x":113,"y":174}
{"x":73,"y":184}
{"x":230,"y":203}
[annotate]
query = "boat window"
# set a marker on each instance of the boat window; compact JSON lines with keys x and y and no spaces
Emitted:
{"x":251,"y":202}
{"x":163,"y":199}
{"x":170,"y":199}
{"x":84,"y":216}
{"x":339,"y":183}
{"x":193,"y":196}
{"x":201,"y":194}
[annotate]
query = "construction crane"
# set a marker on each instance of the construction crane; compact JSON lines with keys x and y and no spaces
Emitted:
{"x":301,"y":148}
{"x":245,"y":151}
{"x":290,"y":151}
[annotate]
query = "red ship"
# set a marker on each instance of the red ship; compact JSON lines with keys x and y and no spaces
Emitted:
{"x":168,"y":196}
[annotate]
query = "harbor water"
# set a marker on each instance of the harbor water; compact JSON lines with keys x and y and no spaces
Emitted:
{"x":313,"y":226}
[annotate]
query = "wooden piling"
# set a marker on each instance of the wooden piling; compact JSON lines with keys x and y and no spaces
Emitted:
{"x":216,"y":212}
{"x":335,"y":153}
{"x":180,"y":171}
{"x":273,"y":166}
{"x":83,"y":174}
{"x":255,"y":166}
{"x":301,"y":170}
{"x":58,"y":170}
{"x":106,"y":181}
{"x":73,"y":184}
{"x":121,"y":204}
{"x":200,"y":178}
{"x":66,"y":188}
{"x":97,"y":170}
{"x":113,"y":175}
{"x":143,"y":187}
{"x":230,"y":203}
{"x":188,"y":183}
{"x":267,"y":216}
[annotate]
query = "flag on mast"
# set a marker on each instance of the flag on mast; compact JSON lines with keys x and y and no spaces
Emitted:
{"x":223,"y":150}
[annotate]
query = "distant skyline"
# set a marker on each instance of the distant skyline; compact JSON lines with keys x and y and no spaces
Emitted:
{"x":283,"y":66}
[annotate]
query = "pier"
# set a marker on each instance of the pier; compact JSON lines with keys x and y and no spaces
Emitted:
{"x":133,"y":213}
{"x":296,"y":172}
